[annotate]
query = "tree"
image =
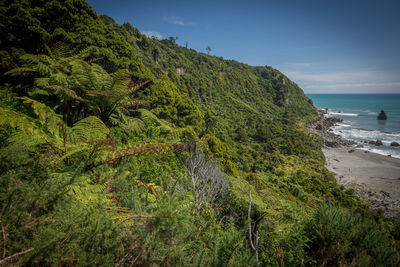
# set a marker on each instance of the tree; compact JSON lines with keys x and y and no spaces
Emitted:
{"x":207,"y":181}
{"x":82,"y":88}
{"x":208,"y":49}
{"x":173,"y":39}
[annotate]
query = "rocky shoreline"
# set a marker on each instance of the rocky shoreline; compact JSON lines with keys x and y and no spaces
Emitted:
{"x":322,"y":127}
{"x":374,"y":178}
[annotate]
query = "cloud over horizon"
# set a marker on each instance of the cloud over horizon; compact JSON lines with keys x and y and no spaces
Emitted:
{"x":346,"y":82}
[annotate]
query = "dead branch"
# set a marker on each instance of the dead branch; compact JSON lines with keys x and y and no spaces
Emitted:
{"x":253,"y":232}
{"x":5,"y":260}
{"x":4,"y":239}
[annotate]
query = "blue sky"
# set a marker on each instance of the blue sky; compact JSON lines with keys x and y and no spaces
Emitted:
{"x":325,"y":46}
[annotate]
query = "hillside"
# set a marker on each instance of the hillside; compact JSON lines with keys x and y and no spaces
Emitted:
{"x":119,"y":149}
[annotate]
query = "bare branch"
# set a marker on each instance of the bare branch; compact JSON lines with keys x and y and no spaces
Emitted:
{"x":5,"y":260}
{"x":4,"y":239}
{"x":208,"y":182}
{"x":253,"y":232}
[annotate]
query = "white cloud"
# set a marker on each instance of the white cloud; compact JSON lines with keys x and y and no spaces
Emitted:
{"x":353,"y":85}
{"x":176,"y":20}
{"x":346,"y":82}
{"x":345,"y":77}
{"x":152,"y":34}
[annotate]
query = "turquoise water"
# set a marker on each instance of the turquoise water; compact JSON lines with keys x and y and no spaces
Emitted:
{"x":359,"y":113}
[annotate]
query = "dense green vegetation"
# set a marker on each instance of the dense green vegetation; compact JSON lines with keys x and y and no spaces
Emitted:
{"x":119,"y":149}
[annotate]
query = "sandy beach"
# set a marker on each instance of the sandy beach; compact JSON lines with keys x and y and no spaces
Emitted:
{"x":373,"y":177}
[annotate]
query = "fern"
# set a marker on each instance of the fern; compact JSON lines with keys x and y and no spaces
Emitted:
{"x":45,"y":115}
{"x":89,"y":193}
{"x":90,"y":128}
{"x":80,"y":141}
{"x":28,"y":131}
{"x":135,"y":125}
{"x":74,"y":150}
{"x":149,"y":118}
{"x":129,"y":124}
{"x":60,"y":50}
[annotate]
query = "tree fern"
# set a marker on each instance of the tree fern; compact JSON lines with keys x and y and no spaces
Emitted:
{"x":48,"y":128}
{"x":135,"y":125}
{"x":47,"y":118}
{"x":80,"y":85}
{"x":88,"y":193}
{"x":149,"y":118}
{"x":28,"y":131}
{"x":127,"y":123}
{"x":89,"y":128}
{"x":91,"y":195}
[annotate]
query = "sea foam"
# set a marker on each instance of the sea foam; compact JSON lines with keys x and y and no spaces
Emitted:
{"x":343,"y":114}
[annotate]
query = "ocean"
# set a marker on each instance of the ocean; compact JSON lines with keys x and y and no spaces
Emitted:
{"x":359,"y":113}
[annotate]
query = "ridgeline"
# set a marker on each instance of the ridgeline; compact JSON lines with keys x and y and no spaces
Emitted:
{"x":120,"y":149}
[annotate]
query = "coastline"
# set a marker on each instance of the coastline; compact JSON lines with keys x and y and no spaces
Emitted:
{"x":373,"y":177}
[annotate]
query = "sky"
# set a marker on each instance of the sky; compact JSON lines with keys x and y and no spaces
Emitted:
{"x":325,"y":46}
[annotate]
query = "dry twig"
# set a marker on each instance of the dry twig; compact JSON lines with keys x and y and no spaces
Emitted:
{"x":5,"y":260}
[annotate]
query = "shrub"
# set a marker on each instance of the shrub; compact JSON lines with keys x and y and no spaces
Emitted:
{"x":340,"y":238}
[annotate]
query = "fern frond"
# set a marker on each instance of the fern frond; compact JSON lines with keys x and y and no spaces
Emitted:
{"x":46,"y":116}
{"x":165,"y":130}
{"x":75,"y":150}
{"x":38,"y":92}
{"x":149,"y":118}
{"x":121,"y":78}
{"x":34,"y":138}
{"x":135,"y":125}
{"x":34,"y":59}
{"x":89,"y":128}
{"x":42,"y":82}
{"x":43,"y":69}
{"x":106,"y":93}
{"x":60,"y":50}
{"x":89,"y":193}
{"x":64,"y":91}
{"x":91,"y":77}
{"x":134,"y":102}
{"x":20,"y":70}
{"x":134,"y":87}
{"x":165,"y":123}
{"x":28,"y":131}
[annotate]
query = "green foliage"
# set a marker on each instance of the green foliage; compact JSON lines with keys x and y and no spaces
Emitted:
{"x":340,"y":238}
{"x":82,"y":88}
{"x":96,"y":121}
{"x":89,"y":128}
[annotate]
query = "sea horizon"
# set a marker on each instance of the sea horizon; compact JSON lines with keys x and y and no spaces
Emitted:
{"x":359,"y":114}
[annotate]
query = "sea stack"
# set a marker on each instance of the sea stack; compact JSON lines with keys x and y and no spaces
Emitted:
{"x":382,"y":116}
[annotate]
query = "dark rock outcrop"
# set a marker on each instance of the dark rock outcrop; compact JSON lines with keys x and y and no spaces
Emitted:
{"x":371,"y":142}
{"x":394,"y":144}
{"x":382,"y":116}
{"x":328,"y":143}
{"x":378,"y":143}
{"x":322,"y":127}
